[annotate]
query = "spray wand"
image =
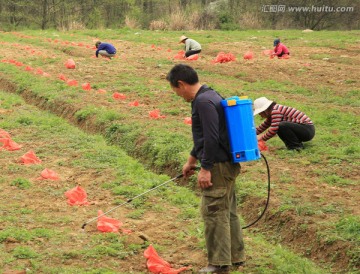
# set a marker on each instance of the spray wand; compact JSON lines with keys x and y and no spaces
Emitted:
{"x":130,"y":200}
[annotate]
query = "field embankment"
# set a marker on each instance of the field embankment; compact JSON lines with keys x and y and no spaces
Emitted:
{"x":315,"y":193}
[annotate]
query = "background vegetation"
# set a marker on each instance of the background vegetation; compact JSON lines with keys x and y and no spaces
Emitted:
{"x":315,"y":193}
{"x":179,"y":14}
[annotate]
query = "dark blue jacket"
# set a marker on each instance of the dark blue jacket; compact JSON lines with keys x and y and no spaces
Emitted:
{"x":106,"y":46}
{"x":211,"y":143}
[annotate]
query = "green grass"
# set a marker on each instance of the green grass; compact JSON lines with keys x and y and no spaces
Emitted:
{"x":25,"y":235}
{"x":21,"y":183}
{"x":331,"y":158}
{"x":42,"y":245}
{"x":24,"y":252}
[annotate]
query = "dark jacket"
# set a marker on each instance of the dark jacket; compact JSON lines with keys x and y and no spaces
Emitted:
{"x":210,"y":137}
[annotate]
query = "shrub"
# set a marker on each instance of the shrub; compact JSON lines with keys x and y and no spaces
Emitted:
{"x":158,"y":25}
{"x":178,"y":21}
{"x":131,"y":23}
{"x":250,"y":20}
{"x":202,"y":20}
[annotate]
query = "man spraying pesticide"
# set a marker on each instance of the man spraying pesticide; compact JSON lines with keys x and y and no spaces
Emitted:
{"x":218,"y":146}
{"x":222,"y":140}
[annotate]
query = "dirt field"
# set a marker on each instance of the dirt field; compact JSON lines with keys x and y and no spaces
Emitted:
{"x":149,"y":65}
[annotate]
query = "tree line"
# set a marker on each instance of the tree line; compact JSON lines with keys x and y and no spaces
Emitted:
{"x":180,"y":14}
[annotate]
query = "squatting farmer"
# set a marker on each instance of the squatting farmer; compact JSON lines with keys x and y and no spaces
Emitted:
{"x":216,"y":178}
{"x":191,"y":46}
{"x":280,"y":50}
{"x":291,"y":125}
{"x":105,"y":49}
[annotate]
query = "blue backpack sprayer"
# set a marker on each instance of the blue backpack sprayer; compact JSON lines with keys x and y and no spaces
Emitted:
{"x":242,"y":136}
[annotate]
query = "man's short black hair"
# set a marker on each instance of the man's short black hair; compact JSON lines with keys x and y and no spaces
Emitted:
{"x":184,"y":73}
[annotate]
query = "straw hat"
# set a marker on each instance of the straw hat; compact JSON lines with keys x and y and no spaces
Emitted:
{"x":182,"y":38}
{"x":261,"y":104}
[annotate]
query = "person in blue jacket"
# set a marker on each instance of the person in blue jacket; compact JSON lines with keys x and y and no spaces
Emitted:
{"x":105,"y":49}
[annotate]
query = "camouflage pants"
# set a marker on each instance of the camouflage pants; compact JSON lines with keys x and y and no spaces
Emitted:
{"x":223,"y":235}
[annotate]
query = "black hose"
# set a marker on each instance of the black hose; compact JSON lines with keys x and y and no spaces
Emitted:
{"x":268,"y":196}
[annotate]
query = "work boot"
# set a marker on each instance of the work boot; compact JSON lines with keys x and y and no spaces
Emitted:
{"x":238,"y":266}
{"x":215,"y":269}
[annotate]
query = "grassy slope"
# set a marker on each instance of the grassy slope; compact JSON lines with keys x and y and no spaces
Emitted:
{"x":333,"y":166}
{"x":41,"y":233}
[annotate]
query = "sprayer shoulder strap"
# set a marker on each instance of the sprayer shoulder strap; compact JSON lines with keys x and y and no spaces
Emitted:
{"x":205,"y":89}
{"x":227,"y":149}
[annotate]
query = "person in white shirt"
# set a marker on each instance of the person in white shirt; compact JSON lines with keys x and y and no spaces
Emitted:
{"x":191,"y":46}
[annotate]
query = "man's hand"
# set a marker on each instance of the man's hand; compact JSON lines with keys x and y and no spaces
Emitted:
{"x":189,"y":167}
{"x":204,"y":178}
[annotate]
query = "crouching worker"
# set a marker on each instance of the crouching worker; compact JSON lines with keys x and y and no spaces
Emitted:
{"x":105,"y":49}
{"x":191,"y":46}
{"x":216,"y":178}
{"x":280,"y":49}
{"x":291,"y":125}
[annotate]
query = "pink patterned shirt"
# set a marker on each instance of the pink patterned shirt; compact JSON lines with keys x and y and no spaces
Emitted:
{"x":281,"y":113}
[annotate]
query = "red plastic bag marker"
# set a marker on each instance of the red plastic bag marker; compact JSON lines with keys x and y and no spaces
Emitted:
{"x":86,"y":86}
{"x":193,"y":57}
{"x":248,"y":55}
{"x":4,"y":134}
{"x":39,"y":71}
{"x":155,"y":114}
{"x":70,"y":64}
{"x":224,"y":57}
{"x":9,"y":144}
{"x":76,"y":196}
{"x":156,"y":264}
{"x":72,"y":82}
{"x":30,"y":158}
{"x":62,"y":77}
{"x":134,"y":104}
{"x":188,"y":121}
{"x":49,"y":174}
{"x":180,"y":55}
{"x":118,"y":96}
{"x":106,"y":224}
{"x":262,"y":145}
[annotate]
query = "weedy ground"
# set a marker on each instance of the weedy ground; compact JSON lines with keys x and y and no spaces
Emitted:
{"x":117,"y":151}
